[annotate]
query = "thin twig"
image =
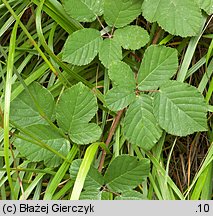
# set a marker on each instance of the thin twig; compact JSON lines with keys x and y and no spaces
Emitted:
{"x":138,"y":59}
{"x":137,"y":91}
{"x":109,"y":138}
{"x":191,"y":158}
{"x":156,"y":37}
{"x":109,"y":35}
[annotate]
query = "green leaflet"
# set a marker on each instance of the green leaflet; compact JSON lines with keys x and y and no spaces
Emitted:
{"x":159,"y":64}
{"x":82,"y":46}
{"x":85,"y":133}
{"x":125,"y":173}
{"x":120,"y":13}
{"x":178,"y":17}
{"x":180,"y":109}
{"x":119,"y":98}
{"x":36,"y":153}
{"x":121,"y":75}
{"x":110,"y":51}
{"x":123,"y":92}
{"x":75,"y":109}
{"x":32,"y":105}
{"x":84,"y":10}
{"x":132,"y":37}
{"x":140,"y":125}
{"x":106,"y":195}
{"x":206,"y":5}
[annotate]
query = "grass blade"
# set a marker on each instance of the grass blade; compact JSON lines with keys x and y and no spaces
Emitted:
{"x":83,"y":170}
{"x":7,"y":104}
{"x":189,"y":54}
{"x":60,"y":173}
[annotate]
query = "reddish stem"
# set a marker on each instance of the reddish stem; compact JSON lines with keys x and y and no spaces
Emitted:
{"x":109,"y":138}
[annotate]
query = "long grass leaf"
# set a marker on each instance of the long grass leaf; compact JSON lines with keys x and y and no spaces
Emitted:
{"x":7,"y":104}
{"x":60,"y":173}
{"x":190,"y":53}
{"x":83,"y":170}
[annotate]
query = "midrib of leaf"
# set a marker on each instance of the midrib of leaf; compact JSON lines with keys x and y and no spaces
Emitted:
{"x":82,"y":47}
{"x":146,"y":136}
{"x":122,"y":8}
{"x":119,"y":12}
{"x":141,"y":110}
{"x":129,"y":93}
{"x":92,"y":179}
{"x":129,"y":171}
{"x":31,"y":108}
{"x":110,"y":48}
{"x":84,"y":106}
{"x":170,"y":100}
{"x":74,"y":111}
{"x":91,"y":9}
{"x":73,"y":114}
{"x":41,"y":153}
{"x":154,"y":13}
{"x":154,"y":70}
{"x":187,"y":20}
{"x":35,"y":140}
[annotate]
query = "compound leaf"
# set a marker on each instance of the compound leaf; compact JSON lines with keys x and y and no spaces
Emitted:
{"x":178,"y":17}
{"x":82,"y":46}
{"x":159,"y":64}
{"x":125,"y":173}
{"x":140,"y":125}
{"x":36,"y":153}
{"x":131,"y":37}
{"x":75,"y":109}
{"x":120,"y":13}
{"x":110,"y":51}
{"x":83,"y":10}
{"x":180,"y":109}
{"x":31,"y":105}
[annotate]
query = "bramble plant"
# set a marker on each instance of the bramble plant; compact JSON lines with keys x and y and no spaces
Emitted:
{"x":147,"y":98}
